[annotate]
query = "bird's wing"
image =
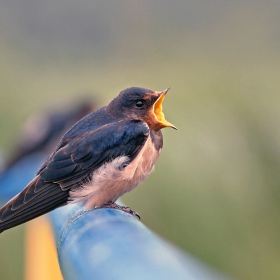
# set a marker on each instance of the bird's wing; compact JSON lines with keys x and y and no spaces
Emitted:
{"x":72,"y":163}
{"x":78,"y":158}
{"x":36,"y":199}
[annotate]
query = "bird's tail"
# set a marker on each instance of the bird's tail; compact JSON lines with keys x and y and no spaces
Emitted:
{"x":36,"y":199}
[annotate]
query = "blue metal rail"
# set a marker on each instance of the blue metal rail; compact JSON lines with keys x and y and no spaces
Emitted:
{"x":110,"y":244}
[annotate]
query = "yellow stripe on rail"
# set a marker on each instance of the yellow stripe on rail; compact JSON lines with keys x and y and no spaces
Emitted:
{"x":40,"y":253}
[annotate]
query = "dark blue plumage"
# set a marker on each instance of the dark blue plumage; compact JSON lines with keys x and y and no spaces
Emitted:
{"x":92,"y":149}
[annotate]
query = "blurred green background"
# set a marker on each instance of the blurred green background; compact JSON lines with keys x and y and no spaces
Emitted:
{"x":215,"y":192}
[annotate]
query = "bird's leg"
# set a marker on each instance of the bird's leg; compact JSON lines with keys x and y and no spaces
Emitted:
{"x":114,"y":205}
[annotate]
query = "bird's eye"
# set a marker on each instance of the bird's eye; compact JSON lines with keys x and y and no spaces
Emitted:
{"x":139,"y":103}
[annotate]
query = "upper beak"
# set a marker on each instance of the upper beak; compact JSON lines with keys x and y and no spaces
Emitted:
{"x":157,"y":110}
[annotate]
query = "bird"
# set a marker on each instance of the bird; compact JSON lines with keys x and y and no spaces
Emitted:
{"x":41,"y":131}
{"x":104,"y":155}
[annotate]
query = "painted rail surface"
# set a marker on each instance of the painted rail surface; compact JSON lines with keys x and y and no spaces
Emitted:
{"x":110,"y":244}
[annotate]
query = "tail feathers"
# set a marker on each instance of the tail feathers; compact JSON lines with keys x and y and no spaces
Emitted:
{"x":31,"y":203}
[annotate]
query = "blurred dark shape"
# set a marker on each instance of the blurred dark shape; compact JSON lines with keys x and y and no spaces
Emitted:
{"x":42,"y":131}
{"x":39,"y":136}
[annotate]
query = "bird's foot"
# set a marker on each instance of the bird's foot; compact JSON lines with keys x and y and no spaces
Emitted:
{"x":114,"y":205}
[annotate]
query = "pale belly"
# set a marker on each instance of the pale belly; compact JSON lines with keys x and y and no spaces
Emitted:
{"x":110,"y":181}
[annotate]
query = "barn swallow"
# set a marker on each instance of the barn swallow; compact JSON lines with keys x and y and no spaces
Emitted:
{"x":42,"y":131}
{"x":104,"y":155}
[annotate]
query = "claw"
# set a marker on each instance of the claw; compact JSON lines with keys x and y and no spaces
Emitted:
{"x":114,"y":205}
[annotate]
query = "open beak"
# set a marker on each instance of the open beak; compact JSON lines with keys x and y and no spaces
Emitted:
{"x":160,"y":121}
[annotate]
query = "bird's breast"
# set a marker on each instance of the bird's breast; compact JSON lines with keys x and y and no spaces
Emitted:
{"x":139,"y":169}
{"x":115,"y":178}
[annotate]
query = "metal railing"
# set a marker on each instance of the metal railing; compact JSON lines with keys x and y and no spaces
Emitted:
{"x":111,"y":244}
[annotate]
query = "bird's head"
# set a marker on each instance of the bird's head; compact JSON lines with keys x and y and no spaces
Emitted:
{"x":141,"y":104}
